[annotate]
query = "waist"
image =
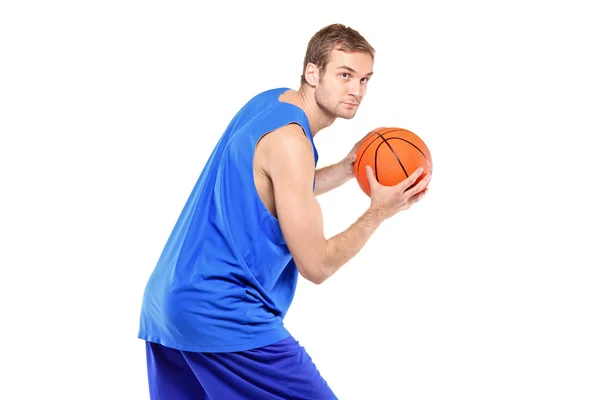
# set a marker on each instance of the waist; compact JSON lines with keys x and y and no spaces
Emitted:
{"x":201,"y":320}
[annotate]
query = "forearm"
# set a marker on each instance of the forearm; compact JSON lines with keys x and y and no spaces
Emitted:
{"x":342,"y":247}
{"x":329,"y":178}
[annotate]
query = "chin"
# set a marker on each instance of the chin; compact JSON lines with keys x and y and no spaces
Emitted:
{"x":348,"y":114}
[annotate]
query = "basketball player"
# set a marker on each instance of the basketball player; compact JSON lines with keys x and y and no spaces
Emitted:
{"x":213,"y":309}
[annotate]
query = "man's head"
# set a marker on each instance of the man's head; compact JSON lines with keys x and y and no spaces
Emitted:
{"x":337,"y":66}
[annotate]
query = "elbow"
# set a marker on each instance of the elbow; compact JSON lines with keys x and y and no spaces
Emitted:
{"x":318,"y":279}
{"x":315,"y":273}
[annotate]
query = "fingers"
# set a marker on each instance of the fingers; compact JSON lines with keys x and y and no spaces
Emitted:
{"x":370,"y":175}
{"x":366,"y":136}
{"x":417,"y":197}
{"x":412,"y":178}
{"x":419,"y":187}
{"x":362,"y":140}
{"x":407,"y":191}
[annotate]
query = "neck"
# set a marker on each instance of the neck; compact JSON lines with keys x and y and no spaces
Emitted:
{"x":318,"y":118}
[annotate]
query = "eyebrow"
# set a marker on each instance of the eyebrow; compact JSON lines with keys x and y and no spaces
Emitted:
{"x":352,"y":70}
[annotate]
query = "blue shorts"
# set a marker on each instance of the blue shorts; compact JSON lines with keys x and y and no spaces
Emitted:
{"x":282,"y":370}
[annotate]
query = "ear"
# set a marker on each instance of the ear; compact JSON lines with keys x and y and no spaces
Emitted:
{"x":311,"y":74}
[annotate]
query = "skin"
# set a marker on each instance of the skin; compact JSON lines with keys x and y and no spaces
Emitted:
{"x":284,"y":170}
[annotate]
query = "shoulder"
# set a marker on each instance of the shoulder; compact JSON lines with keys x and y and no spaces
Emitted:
{"x":286,"y":147}
{"x":268,"y":95}
{"x":289,"y":138}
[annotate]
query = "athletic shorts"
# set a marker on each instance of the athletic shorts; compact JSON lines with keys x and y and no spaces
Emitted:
{"x":282,"y":370}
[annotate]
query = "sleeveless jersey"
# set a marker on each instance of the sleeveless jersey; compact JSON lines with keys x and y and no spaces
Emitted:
{"x":225,"y":278}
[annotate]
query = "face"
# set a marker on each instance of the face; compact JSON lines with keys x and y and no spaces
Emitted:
{"x":343,"y":84}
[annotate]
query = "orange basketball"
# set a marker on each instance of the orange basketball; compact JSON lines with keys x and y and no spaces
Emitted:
{"x":393,"y":154}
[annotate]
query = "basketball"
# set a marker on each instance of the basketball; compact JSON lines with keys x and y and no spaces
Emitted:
{"x":393,"y":154}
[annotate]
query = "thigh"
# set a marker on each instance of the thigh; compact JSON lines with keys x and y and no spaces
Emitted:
{"x":283,"y":370}
{"x":169,"y":375}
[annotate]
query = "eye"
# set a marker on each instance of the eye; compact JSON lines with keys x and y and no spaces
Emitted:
{"x":364,"y":80}
{"x":345,"y":75}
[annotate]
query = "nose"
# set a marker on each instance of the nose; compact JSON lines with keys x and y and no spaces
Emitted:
{"x":355,"y":88}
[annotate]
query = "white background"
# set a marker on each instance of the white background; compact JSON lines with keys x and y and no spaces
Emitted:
{"x":488,"y":289}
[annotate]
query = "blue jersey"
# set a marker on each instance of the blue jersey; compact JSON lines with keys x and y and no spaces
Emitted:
{"x":225,"y":278}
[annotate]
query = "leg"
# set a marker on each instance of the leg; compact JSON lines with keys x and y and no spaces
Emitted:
{"x":169,"y":375}
{"x":280,"y":371}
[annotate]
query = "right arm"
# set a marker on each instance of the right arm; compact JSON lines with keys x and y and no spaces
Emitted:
{"x":289,"y":163}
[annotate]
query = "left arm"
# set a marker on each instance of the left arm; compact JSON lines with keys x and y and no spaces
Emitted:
{"x":335,"y":175}
{"x":332,"y":176}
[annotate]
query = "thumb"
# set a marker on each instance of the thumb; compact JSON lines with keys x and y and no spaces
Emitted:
{"x":370,"y":175}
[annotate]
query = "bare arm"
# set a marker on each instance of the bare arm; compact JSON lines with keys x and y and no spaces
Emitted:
{"x":335,"y":175}
{"x":331,"y":177}
{"x":290,"y":165}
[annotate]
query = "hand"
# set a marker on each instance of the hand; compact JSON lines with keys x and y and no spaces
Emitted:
{"x":389,"y":200}
{"x":347,"y":164}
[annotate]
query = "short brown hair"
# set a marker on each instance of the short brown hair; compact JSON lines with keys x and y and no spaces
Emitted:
{"x":330,"y":37}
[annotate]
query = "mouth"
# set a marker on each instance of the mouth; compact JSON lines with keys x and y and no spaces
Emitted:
{"x":351,"y":105}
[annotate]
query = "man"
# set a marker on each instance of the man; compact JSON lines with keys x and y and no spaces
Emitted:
{"x":213,"y":308}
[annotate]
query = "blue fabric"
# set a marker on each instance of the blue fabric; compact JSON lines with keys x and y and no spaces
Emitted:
{"x":225,"y":279}
{"x":283,"y":370}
